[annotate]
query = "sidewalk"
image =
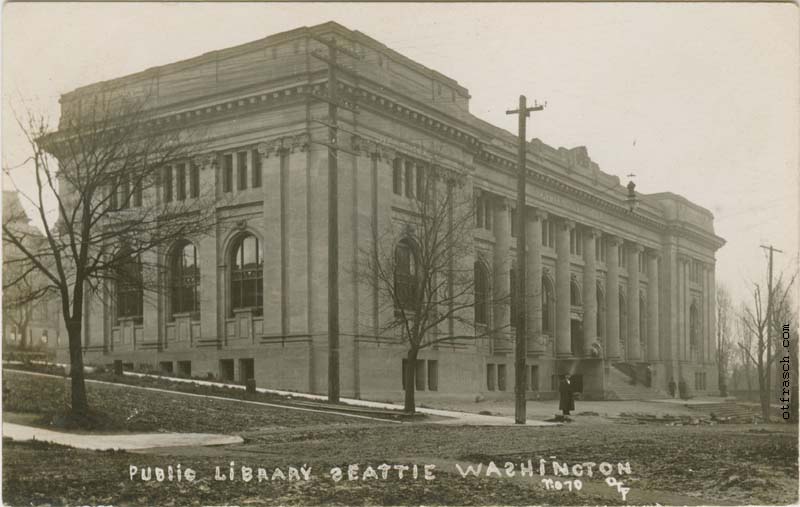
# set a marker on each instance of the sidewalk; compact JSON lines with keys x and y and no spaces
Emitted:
{"x":130,"y":441}
{"x":452,"y":417}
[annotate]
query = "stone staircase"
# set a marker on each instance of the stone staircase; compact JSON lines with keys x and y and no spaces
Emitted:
{"x":619,"y":386}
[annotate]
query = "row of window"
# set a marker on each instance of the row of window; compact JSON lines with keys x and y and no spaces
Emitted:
{"x":696,"y":271}
{"x":426,"y":375}
{"x":176,"y":178}
{"x":409,"y":178}
{"x":239,"y":163}
{"x":496,"y":377}
{"x":126,"y":193}
{"x":549,"y":230}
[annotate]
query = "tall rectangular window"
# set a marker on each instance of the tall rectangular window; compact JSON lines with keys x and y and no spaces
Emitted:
{"x":256,"y":168}
{"x":113,"y":195}
{"x":419,"y":376}
{"x":433,"y":375}
{"x":420,"y":181}
{"x":124,"y":192}
{"x":241,"y":169}
{"x":168,"y":184}
{"x":137,"y":191}
{"x":227,"y":172}
{"x":181,"y":176}
{"x":544,"y":232}
{"x":397,"y":176}
{"x":490,"y":377}
{"x":533,"y":377}
{"x":501,"y":377}
{"x":514,"y":220}
{"x":409,"y":179}
{"x":194,"y":181}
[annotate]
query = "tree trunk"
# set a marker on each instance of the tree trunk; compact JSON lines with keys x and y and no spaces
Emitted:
{"x":721,"y":377}
{"x":411,"y":381}
{"x":763,"y":393}
{"x":80,"y":406}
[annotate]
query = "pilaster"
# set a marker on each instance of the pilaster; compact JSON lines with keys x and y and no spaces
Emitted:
{"x":612,"y":297}
{"x":533,"y":285}
{"x":501,"y":266}
{"x":653,"y":339}
{"x":563,"y":331}
{"x":589,"y":289}
{"x":634,"y":335}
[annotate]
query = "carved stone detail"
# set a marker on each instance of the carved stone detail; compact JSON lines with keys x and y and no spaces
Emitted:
{"x":371,"y":148}
{"x":286,"y":144}
{"x":205,"y":160}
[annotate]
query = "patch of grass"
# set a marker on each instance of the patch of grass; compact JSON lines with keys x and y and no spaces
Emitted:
{"x":115,"y":408}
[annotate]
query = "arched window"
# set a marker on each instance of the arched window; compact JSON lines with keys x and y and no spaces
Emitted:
{"x":574,"y":294}
{"x":405,"y":273}
{"x":481,"y":293}
{"x":247,"y":275}
{"x":601,"y":313}
{"x":623,"y":325}
{"x":129,"y":290}
{"x":547,"y":305}
{"x":185,"y":279}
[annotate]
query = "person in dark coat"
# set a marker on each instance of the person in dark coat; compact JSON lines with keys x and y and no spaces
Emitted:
{"x":566,"y":399}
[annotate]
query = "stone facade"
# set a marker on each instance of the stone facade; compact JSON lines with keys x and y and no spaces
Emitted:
{"x":614,"y":291}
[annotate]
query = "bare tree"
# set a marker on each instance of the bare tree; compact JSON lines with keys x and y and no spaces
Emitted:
{"x":101,"y":205}
{"x":724,"y":341}
{"x":761,"y":326}
{"x":421,"y":267}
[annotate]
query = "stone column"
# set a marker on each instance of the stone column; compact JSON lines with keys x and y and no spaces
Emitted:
{"x":652,"y":307}
{"x":563,"y":332}
{"x":589,"y":289}
{"x":683,"y":316}
{"x":612,"y":297}
{"x":502,"y":284}
{"x":634,"y":347}
{"x":533,"y":285}
{"x":712,"y":311}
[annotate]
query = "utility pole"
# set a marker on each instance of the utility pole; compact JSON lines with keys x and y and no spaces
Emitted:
{"x":772,"y":250}
{"x":520,"y":349}
{"x":333,"y":209}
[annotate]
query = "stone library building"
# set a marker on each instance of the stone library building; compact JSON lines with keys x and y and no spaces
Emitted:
{"x":621,"y":284}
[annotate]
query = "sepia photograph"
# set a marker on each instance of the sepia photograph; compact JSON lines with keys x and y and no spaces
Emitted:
{"x":400,"y":253}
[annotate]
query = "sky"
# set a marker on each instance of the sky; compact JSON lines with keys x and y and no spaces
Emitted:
{"x":697,"y":99}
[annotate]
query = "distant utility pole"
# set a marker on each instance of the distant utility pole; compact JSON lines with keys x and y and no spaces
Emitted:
{"x":520,"y":350}
{"x":772,"y":250}
{"x":333,"y":208}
